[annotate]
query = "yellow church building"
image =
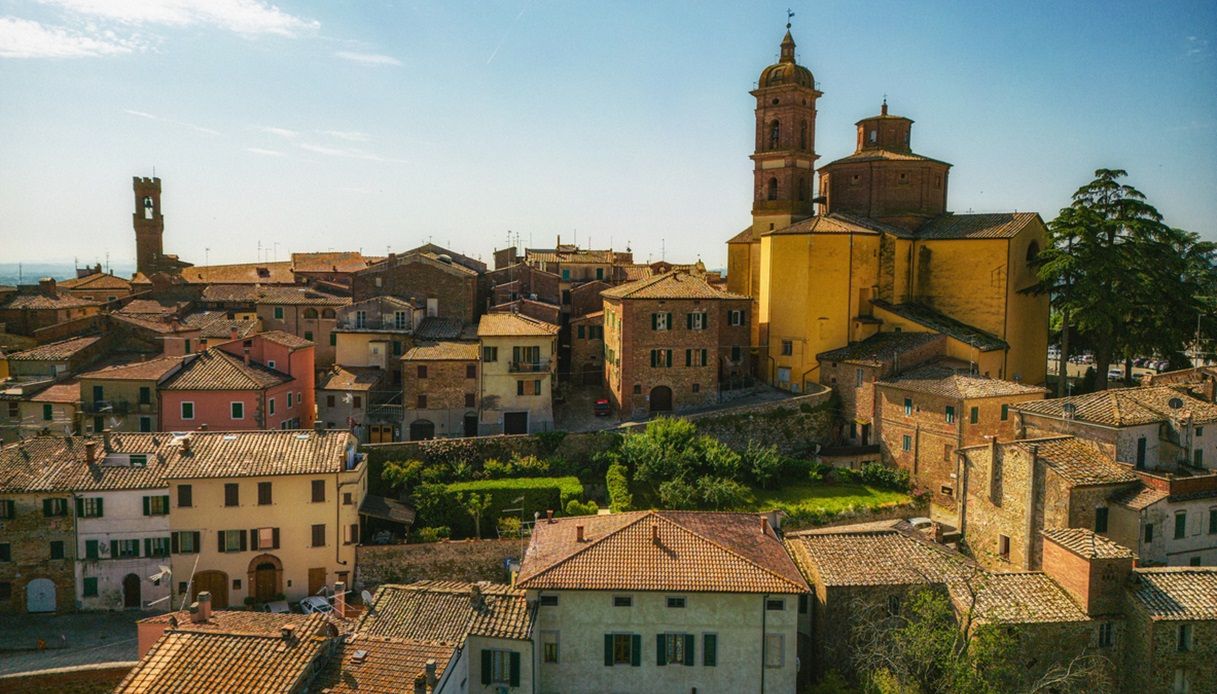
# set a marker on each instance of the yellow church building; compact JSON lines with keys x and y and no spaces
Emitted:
{"x":877,"y":250}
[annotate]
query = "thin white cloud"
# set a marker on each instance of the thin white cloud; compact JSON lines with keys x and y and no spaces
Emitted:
{"x":24,"y":38}
{"x":281,"y":132}
{"x":346,"y":152}
{"x":348,"y":135}
{"x":247,"y":17}
{"x":265,"y":152}
{"x":162,"y":119}
{"x":1195,"y":46}
{"x":367,"y":58}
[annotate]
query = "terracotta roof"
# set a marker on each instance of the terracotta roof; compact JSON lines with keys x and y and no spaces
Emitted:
{"x":57,"y":464}
{"x":880,"y":154}
{"x":231,"y":293}
{"x":54,"y":351}
{"x":592,"y":317}
{"x":694,"y":551}
{"x":871,"y":554}
{"x":443,"y":351}
{"x":1177,"y":593}
{"x":1077,"y":462}
{"x":383,"y":665}
{"x":745,"y":236}
{"x":238,"y":621}
{"x":256,"y":453}
{"x":205,"y":661}
{"x":879,"y":348}
{"x":351,"y":378}
{"x":279,"y":272}
{"x":217,"y":324}
{"x":1018,"y":598}
{"x":1001,"y":225}
{"x":63,"y":392}
{"x":448,"y":611}
{"x":152,"y":369}
{"x":948,"y":383}
{"x":1087,"y":543}
{"x":572,"y":254}
{"x":286,"y":339}
{"x":838,"y":223}
{"x":96,"y":280}
{"x":218,"y":370}
{"x":508,"y":324}
{"x":1121,"y":407}
{"x":387,"y":509}
{"x":1139,"y":498}
{"x":426,"y":257}
{"x":670,"y":285}
{"x":299,"y":296}
{"x":34,"y":301}
{"x":155,"y":306}
{"x":938,"y":322}
{"x":438,"y":328}
{"x":161,"y":324}
{"x":333,"y":261}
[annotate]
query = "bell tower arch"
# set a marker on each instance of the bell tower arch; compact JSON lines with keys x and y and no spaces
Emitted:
{"x":149,"y":224}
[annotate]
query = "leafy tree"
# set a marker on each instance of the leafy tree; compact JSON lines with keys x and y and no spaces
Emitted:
{"x":475,"y":505}
{"x":763,"y":463}
{"x":720,"y":493}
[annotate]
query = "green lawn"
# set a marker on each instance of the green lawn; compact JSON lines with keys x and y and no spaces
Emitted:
{"x":825,"y":497}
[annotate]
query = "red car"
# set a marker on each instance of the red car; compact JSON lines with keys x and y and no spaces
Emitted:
{"x":602,"y":408}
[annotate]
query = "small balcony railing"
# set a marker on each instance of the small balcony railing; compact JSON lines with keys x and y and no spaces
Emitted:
{"x":116,"y":407}
{"x":538,"y":366}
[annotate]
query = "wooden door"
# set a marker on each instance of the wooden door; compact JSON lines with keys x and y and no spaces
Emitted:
{"x":131,"y":591}
{"x":661,"y":399}
{"x":515,"y":423}
{"x":265,"y":584}
{"x":316,"y":580}
{"x":40,"y":595}
{"x":214,"y":582}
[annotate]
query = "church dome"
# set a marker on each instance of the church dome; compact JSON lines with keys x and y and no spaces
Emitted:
{"x":786,"y":71}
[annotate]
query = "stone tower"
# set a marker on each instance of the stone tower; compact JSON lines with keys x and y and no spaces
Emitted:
{"x":149,"y":225}
{"x":785,"y":153}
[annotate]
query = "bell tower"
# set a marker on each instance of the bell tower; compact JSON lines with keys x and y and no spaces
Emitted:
{"x":149,"y":225}
{"x":785,"y":155}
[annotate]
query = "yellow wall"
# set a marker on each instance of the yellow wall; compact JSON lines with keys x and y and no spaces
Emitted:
{"x":1026,"y":313}
{"x":356,"y":349}
{"x":966,"y":281}
{"x":499,"y":389}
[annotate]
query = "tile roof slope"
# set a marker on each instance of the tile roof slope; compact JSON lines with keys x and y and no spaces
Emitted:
{"x":1076,"y":461}
{"x":839,"y":223}
{"x":57,"y":464}
{"x":279,"y":272}
{"x":303,"y":296}
{"x":1140,"y":497}
{"x":438,"y":328}
{"x":62,"y":349}
{"x":745,"y":236}
{"x":215,"y":454}
{"x":239,"y":621}
{"x":96,"y":280}
{"x":443,"y":351}
{"x":508,"y":324}
{"x":1001,"y":225}
{"x":879,"y":154}
{"x":678,"y":284}
{"x":695,"y":551}
{"x":231,"y":293}
{"x":1128,"y":406}
{"x":63,"y":392}
{"x":332,"y":261}
{"x":1018,"y":598}
{"x":282,"y":337}
{"x":445,"y":611}
{"x":878,"y":348}
{"x":870,"y":554}
{"x":218,"y":370}
{"x":40,"y":301}
{"x":218,"y":324}
{"x":351,"y":378}
{"x":952,"y":384}
{"x":1177,"y":593}
{"x":152,"y":369}
{"x":928,"y":317}
{"x":389,"y":665}
{"x":1087,"y":543}
{"x":204,"y":661}
{"x":154,"y":306}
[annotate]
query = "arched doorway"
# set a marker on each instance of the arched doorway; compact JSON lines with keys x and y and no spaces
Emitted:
{"x":421,"y":429}
{"x":131,"y":591}
{"x":40,"y":595}
{"x":265,"y":577}
{"x":661,"y":399}
{"x":471,"y":424}
{"x":214,"y":582}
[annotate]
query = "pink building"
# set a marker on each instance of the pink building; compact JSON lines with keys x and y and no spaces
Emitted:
{"x":262,"y":382}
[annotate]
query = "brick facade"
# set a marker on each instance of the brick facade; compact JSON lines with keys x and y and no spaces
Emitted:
{"x":30,"y":535}
{"x":450,"y":289}
{"x":440,"y":397}
{"x":587,"y":348}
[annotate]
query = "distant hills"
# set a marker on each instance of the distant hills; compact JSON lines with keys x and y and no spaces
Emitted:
{"x":30,"y":273}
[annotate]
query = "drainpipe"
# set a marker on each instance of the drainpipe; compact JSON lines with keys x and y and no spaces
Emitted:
{"x":1035,"y":457}
{"x":764,"y":617}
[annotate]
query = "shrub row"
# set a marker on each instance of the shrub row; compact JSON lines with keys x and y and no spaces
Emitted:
{"x":618,"y":483}
{"x":440,"y":505}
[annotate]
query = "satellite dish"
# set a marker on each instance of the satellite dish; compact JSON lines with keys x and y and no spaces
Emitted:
{"x":367,"y":597}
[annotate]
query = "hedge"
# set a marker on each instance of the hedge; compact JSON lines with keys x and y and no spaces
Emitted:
{"x":540,"y":494}
{"x":618,"y":483}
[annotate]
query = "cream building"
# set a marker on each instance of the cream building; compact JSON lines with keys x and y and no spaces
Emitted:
{"x":264,"y":515}
{"x":519,"y":355}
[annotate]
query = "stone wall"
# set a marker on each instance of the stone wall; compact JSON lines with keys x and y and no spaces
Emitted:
{"x":465,"y":560}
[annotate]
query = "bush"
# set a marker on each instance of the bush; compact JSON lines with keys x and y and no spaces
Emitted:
{"x":530,"y":466}
{"x":720,"y":493}
{"x":509,"y":527}
{"x":495,"y":468}
{"x":762,"y":463}
{"x":876,"y":475}
{"x":434,"y":533}
{"x":549,"y":440}
{"x":618,"y":483}
{"x":575,"y":508}
{"x":540,"y":494}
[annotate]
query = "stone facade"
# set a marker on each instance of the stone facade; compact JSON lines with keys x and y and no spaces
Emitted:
{"x":440,"y":396}
{"x":1152,"y":660}
{"x":313,"y":323}
{"x":587,"y":348}
{"x":448,"y":289}
{"x":31,"y":580}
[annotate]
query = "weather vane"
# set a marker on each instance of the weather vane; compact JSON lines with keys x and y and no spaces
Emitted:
{"x":789,"y":16}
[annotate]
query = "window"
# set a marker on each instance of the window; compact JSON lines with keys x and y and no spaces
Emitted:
{"x":906,"y":443}
{"x":470,"y":400}
{"x":1213,"y":520}
{"x":490,"y":354}
{"x":1005,"y":412}
{"x":1003,"y":547}
{"x":137,"y":460}
{"x":471,"y":371}
{"x":1180,"y":524}
{"x":6,"y":552}
{"x":859,"y":378}
{"x":735,"y":317}
{"x":637,"y":389}
{"x":1198,"y":457}
{"x":90,"y":587}
{"x":676,"y":602}
{"x":549,"y":646}
{"x":270,"y":404}
{"x":184,"y":542}
{"x":330,"y":401}
{"x":696,"y":321}
{"x":347,"y":499}
{"x":14,"y":407}
{"x":187,"y":410}
{"x":8,"y":509}
{"x":89,"y":508}
{"x":696,"y":387}
{"x":6,"y":590}
{"x":145,"y":395}
{"x":1105,"y":634}
{"x":1141,"y":453}
{"x":1149,"y":532}
{"x":947,"y":450}
{"x":661,"y":321}
{"x":674,"y":649}
{"x":549,"y":601}
{"x":156,"y":505}
{"x":264,"y":538}
{"x":1185,"y":638}
{"x":696,"y":357}
{"x":333,"y":339}
{"x":661,"y":358}
{"x":54,"y":507}
{"x":1182,"y":684}
{"x":318,"y":535}
{"x":399,"y":320}
{"x":566,"y":274}
{"x":91,"y":549}
{"x":232,"y":540}
{"x":237,"y":410}
{"x":775,"y":656}
{"x":232,"y":494}
{"x":156,"y":546}
{"x":1100,"y":519}
{"x":528,"y":387}
{"x":893,"y":605}
{"x":974,"y":415}
{"x":622,"y":649}
{"x":500,"y":667}
{"x":185,"y":496}
{"x":950,"y":414}
{"x":145,"y":424}
{"x":422,"y":371}
{"x":278,"y":313}
{"x":361,"y":319}
{"x":289,"y":399}
{"x":622,"y":601}
{"x":56,"y":549}
{"x":908,"y":407}
{"x":736,"y":353}
{"x":775,"y":134}
{"x":775,"y":604}
{"x":264,"y":494}
{"x":357,"y":402}
{"x":787,"y":348}
{"x":318,"y":490}
{"x":709,"y":650}
{"x":48,"y":412}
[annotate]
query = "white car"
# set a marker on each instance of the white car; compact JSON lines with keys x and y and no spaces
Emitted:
{"x":921,"y":523}
{"x":315,"y":603}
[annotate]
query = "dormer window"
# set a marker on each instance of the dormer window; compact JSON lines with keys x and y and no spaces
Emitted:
{"x":874,"y":136}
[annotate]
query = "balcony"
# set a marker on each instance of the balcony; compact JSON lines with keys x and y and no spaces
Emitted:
{"x":375,"y":324}
{"x":115,"y":407}
{"x":539,"y":366}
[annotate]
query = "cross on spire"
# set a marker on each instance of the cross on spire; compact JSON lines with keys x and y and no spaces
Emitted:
{"x":789,"y":16}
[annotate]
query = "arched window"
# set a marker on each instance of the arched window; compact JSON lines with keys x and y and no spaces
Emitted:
{"x":802,"y":189}
{"x":310,"y":314}
{"x":773,"y":189}
{"x":803,"y":135}
{"x":775,"y":133}
{"x":1033,"y":251}
{"x":327,"y":313}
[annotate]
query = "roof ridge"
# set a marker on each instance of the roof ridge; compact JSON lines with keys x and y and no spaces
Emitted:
{"x":593,"y":543}
{"x":733,"y":552}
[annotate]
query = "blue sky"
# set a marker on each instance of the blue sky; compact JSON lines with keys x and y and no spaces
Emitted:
{"x":377,"y":125}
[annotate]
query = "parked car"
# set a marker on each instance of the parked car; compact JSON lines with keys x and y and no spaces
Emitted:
{"x":315,"y":603}
{"x":921,"y":523}
{"x":276,"y":606}
{"x":602,"y":408}
{"x":1115,"y":374}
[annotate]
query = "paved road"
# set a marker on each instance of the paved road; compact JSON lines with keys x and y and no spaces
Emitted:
{"x":71,"y":639}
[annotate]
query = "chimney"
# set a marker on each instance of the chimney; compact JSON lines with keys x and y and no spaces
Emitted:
{"x":654,"y":532}
{"x":420,"y":684}
{"x":90,"y":452}
{"x":288,"y":632}
{"x":232,"y":332}
{"x":578,"y":533}
{"x":185,"y":444}
{"x":203,"y":426}
{"x":46,"y":285}
{"x":937,"y":531}
{"x":765,"y":525}
{"x":204,"y":603}
{"x":476,"y":601}
{"x":105,"y":438}
{"x":318,"y":427}
{"x":549,"y":515}
{"x":194,"y":613}
{"x":429,"y":670}
{"x":340,"y":598}
{"x":246,"y":351}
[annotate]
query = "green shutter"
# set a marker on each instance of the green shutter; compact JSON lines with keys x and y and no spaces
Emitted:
{"x":47,"y":412}
{"x":114,"y":549}
{"x":100,"y":506}
{"x":147,"y":546}
{"x":147,"y":506}
{"x":165,"y":502}
{"x":709,"y":650}
{"x":90,"y":549}
{"x":654,"y":321}
{"x":173,"y":543}
{"x":669,"y":354}
{"x":46,"y":507}
{"x":80,"y":507}
{"x":486,"y":655}
{"x":220,"y":537}
{"x":688,"y":357}
{"x":704,"y":358}
{"x":608,"y":650}
{"x":514,"y":679}
{"x":689,"y":649}
{"x":669,"y":320}
{"x":635,"y":650}
{"x":661,"y":654}
{"x":689,"y":321}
